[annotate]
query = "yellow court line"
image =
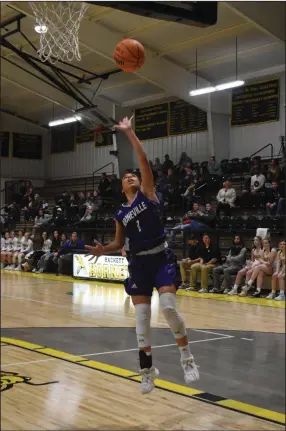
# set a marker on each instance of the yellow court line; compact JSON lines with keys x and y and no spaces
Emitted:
{"x":233,"y":405}
{"x":218,"y":297}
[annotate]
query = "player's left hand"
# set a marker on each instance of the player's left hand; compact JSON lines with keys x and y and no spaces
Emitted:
{"x":124,"y":125}
{"x":95,"y":251}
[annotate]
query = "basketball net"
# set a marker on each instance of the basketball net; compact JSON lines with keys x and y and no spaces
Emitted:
{"x":58,"y":25}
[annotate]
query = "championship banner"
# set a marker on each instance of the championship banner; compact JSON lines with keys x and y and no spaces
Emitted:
{"x":108,"y":268}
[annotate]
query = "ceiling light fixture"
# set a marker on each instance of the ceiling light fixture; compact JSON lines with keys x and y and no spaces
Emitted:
{"x":64,"y":121}
{"x":219,"y":87}
{"x":200,"y":91}
{"x":41,"y":29}
{"x":227,"y":85}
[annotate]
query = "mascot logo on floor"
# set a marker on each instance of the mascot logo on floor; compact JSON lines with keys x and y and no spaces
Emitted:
{"x":8,"y":380}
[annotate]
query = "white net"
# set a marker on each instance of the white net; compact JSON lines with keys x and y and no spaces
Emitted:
{"x":58,"y":25}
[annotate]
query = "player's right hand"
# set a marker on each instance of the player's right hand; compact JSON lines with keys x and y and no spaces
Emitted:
{"x":95,"y":251}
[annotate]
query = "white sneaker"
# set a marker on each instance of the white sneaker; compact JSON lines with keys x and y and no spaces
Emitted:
{"x":184,"y":285}
{"x":244,"y":290}
{"x":191,"y":372}
{"x":233,"y":292}
{"x":226,"y":291}
{"x":18,"y":268}
{"x":148,"y":377}
{"x":270,"y":296}
{"x":280,"y":297}
{"x":203,"y":291}
{"x":8,"y":267}
{"x":34,"y":270}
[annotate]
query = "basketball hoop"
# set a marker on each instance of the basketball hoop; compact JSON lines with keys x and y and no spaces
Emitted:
{"x":58,"y":24}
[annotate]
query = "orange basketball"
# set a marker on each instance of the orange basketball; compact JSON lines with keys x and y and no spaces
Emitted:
{"x":129,"y":55}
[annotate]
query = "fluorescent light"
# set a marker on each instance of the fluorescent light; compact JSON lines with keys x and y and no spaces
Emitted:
{"x":41,"y":29}
{"x":64,"y":121}
{"x":200,"y":91}
{"x":227,"y":85}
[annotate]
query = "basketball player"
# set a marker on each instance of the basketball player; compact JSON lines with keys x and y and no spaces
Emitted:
{"x":152,"y":263}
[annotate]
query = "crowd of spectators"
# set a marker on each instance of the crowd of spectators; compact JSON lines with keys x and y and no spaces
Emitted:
{"x":204,"y":190}
{"x":204,"y":258}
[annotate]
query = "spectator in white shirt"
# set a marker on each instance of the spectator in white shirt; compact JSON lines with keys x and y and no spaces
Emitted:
{"x":27,"y":247}
{"x":257,"y":182}
{"x":15,"y":247}
{"x":226,"y":198}
{"x":4,"y":247}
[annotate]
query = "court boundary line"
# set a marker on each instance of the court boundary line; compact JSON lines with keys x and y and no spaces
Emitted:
{"x":236,"y":406}
{"x":213,"y":296}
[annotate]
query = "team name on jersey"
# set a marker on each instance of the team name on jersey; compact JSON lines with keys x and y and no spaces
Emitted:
{"x":133,"y":213}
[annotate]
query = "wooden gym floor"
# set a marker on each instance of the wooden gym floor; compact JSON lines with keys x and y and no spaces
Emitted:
{"x":69,"y":360}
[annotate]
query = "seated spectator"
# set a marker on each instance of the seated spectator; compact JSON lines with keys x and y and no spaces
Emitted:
{"x":29,"y":193}
{"x":41,"y":218}
{"x":45,"y":206}
{"x":188,"y":179}
{"x":157,"y":165}
{"x":52,"y":258}
{"x":28,"y":209}
{"x":274,"y":169}
{"x":104,"y":185}
{"x":265,"y":266}
{"x":279,"y":275}
{"x":209,"y":256}
{"x":66,"y":254}
{"x":168,"y":164}
{"x":5,"y":242}
{"x":214,"y":167}
{"x":256,"y":186}
{"x":54,"y":222}
{"x":20,"y":238}
{"x":27,"y":247}
{"x":11,"y":249}
{"x":33,"y":258}
{"x":273,"y":198}
{"x":256,"y":255}
{"x":195,"y":220}
{"x":256,"y":165}
{"x":226,"y":198}
{"x":184,"y":161}
{"x":235,"y":260}
{"x":193,"y":257}
{"x":172,"y":180}
{"x":161,"y":182}
{"x":115,"y":187}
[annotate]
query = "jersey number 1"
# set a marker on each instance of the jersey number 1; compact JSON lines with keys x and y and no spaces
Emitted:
{"x":138,"y":225}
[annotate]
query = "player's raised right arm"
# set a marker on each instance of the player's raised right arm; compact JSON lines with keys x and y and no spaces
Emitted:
{"x":112,"y":247}
{"x":144,"y":166}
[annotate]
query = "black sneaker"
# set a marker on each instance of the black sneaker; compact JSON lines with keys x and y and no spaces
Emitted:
{"x":256,"y":294}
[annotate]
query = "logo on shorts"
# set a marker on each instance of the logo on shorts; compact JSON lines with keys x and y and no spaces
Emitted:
{"x":8,"y":380}
{"x":134,"y":286}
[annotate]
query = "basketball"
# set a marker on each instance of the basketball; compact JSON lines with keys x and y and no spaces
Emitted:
{"x":129,"y":55}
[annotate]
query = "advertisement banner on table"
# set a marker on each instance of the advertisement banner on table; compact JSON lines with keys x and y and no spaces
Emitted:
{"x":109,"y":268}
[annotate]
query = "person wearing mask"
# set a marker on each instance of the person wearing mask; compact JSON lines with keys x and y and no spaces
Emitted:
{"x":279,"y":275}
{"x":235,"y":260}
{"x":27,"y":247}
{"x":265,"y":267}
{"x":226,"y":199}
{"x":209,"y":256}
{"x":214,"y":166}
{"x":193,"y":257}
{"x":168,"y":164}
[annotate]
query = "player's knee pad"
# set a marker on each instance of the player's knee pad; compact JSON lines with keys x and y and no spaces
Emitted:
{"x":143,"y":329}
{"x":173,"y":317}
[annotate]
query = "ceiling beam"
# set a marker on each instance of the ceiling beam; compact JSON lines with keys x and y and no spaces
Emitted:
{"x":230,"y":57}
{"x":269,"y":16}
{"x":234,"y":30}
{"x":153,"y":25}
{"x":147,"y":99}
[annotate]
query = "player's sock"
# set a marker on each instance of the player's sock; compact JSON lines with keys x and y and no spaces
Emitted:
{"x":185,"y":352}
{"x":249,"y":283}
